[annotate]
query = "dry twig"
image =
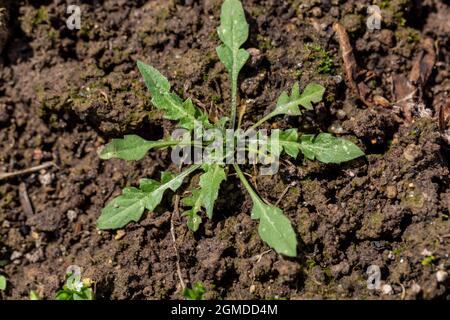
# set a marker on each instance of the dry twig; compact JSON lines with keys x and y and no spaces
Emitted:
{"x":176,"y":212}
{"x":25,"y":200}
{"x":8,"y":175}
{"x":359,"y":89}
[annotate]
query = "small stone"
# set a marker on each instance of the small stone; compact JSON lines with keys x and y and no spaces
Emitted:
{"x":352,"y":22}
{"x":386,"y":289}
{"x":411,"y":152}
{"x":391,"y":192}
{"x":46,"y":178}
{"x":16,"y":255}
{"x":387,"y":37}
{"x":415,"y":288}
{"x":316,"y":12}
{"x":441,"y":276}
{"x":381,"y":101}
{"x":340,"y":269}
{"x":120,"y":234}
{"x":426,"y":253}
{"x":252,"y":288}
{"x":391,"y":255}
{"x":72,"y":215}
{"x":336,"y":128}
{"x":35,"y":235}
{"x":38,"y":154}
{"x":255,"y":55}
{"x":340,"y":114}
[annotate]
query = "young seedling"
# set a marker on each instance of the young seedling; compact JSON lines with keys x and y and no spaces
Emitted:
{"x":196,"y":293}
{"x":274,"y":227}
{"x":2,"y":283}
{"x":75,"y":288}
{"x":33,"y":295}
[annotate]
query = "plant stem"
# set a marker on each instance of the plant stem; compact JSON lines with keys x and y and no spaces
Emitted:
{"x":245,"y":182}
{"x":233,"y":102}
{"x":261,"y":121}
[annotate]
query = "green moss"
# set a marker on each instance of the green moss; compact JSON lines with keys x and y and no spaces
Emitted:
{"x":298,"y":73}
{"x":398,"y":16}
{"x":330,"y":98}
{"x":428,"y":260}
{"x":264,"y":43}
{"x":216,"y":99}
{"x":413,"y":198}
{"x":324,"y":58}
{"x":53,"y":35}
{"x":40,"y":17}
{"x":385,"y":4}
{"x":413,"y":36}
{"x":310,"y":263}
{"x":399,"y":250}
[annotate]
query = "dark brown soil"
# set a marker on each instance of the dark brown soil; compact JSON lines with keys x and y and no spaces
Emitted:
{"x":63,"y":94}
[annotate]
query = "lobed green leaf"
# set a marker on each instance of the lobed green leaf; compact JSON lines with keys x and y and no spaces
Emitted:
{"x":233,"y":32}
{"x":274,"y":227}
{"x":205,"y":196}
{"x":173,"y":106}
{"x":289,"y":105}
{"x":329,"y":149}
{"x":131,"y":204}
{"x":132,"y":147}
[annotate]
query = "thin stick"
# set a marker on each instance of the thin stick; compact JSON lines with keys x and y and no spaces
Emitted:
{"x":174,"y":239}
{"x":284,"y":193}
{"x":25,"y":200}
{"x":8,"y":175}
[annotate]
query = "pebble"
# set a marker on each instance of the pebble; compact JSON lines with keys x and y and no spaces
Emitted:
{"x":340,"y":114}
{"x":252,"y":288}
{"x":415,"y":288}
{"x":381,"y":101}
{"x":441,"y":276}
{"x":425,"y":252}
{"x":316,"y":12}
{"x":46,"y":178}
{"x":255,"y":55}
{"x":16,"y":255}
{"x":119,"y":234}
{"x":72,"y":215}
{"x":391,"y":192}
{"x":336,"y":128}
{"x":411,"y":152}
{"x":387,"y":289}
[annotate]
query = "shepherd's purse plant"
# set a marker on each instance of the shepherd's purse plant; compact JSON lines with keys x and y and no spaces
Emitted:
{"x":275,"y":228}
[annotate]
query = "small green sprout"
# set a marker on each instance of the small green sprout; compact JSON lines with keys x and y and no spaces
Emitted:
{"x":196,"y":293}
{"x":275,"y":228}
{"x":2,"y":283}
{"x":34,"y":295}
{"x":428,"y":260}
{"x":41,"y":16}
{"x":326,"y":63}
{"x":75,"y":288}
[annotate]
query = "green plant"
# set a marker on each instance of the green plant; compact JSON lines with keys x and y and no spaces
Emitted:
{"x":326,"y":63}
{"x":428,"y":260}
{"x":2,"y":283}
{"x":74,"y":288}
{"x":274,"y":227}
{"x":196,"y":293}
{"x":33,"y":295}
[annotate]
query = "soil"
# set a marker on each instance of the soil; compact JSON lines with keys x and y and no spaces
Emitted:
{"x":65,"y":93}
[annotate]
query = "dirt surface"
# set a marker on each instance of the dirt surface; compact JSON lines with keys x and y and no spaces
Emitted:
{"x":64,"y":94}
